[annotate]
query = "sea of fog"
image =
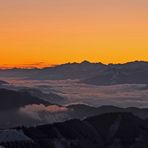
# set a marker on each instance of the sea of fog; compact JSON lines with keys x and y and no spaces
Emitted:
{"x":127,"y":95}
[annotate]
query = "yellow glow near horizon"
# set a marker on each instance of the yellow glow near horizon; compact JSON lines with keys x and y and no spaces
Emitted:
{"x":46,"y":32}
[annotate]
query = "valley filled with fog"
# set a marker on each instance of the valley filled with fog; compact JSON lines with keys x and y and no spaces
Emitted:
{"x":50,"y":101}
{"x":75,"y":99}
{"x":74,"y":92}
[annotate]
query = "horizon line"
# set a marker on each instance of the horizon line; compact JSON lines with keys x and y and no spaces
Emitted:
{"x":37,"y":66}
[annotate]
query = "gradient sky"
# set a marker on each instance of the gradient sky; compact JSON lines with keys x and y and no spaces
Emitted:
{"x":42,"y":32}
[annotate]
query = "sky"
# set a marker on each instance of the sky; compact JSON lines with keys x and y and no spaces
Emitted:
{"x":49,"y":32}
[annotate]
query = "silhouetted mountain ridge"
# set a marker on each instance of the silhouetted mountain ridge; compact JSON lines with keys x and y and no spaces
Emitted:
{"x":110,"y":130}
{"x":90,"y":73}
{"x":10,"y":99}
{"x":51,"y":97}
{"x":129,"y":73}
{"x":64,"y":71}
{"x":81,"y":110}
{"x":3,"y":82}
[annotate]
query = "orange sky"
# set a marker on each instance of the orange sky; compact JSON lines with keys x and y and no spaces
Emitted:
{"x":44,"y":32}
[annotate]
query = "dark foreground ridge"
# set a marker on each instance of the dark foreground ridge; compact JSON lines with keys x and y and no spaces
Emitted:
{"x":110,"y":130}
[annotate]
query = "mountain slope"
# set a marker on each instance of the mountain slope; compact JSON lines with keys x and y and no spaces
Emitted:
{"x":81,"y":111}
{"x":14,"y":99}
{"x":51,"y":97}
{"x":3,"y":82}
{"x":65,"y":71}
{"x":111,"y":130}
{"x":90,"y":73}
{"x":129,"y":73}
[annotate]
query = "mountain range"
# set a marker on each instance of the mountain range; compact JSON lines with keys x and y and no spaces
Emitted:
{"x":80,"y":126}
{"x":86,"y":72}
{"x":110,"y":130}
{"x":15,"y":99}
{"x":24,"y":107}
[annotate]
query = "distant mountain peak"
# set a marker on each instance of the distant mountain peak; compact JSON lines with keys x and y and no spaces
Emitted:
{"x":88,"y":62}
{"x":85,"y":62}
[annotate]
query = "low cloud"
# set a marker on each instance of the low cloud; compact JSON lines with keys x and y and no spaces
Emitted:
{"x":42,"y":108}
{"x":42,"y":112}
